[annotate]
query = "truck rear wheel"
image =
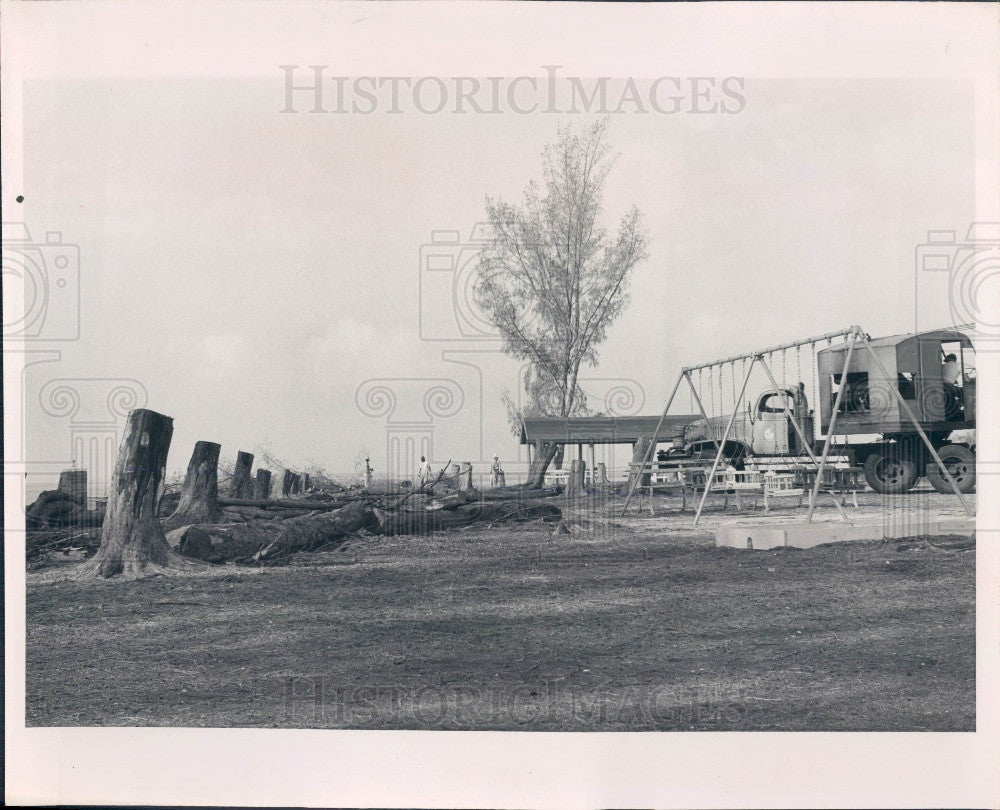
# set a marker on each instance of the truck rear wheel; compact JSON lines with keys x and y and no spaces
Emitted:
{"x":891,"y":470}
{"x":960,"y":461}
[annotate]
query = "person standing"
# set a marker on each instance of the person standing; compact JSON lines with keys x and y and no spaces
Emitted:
{"x":497,"y":472}
{"x":424,"y":471}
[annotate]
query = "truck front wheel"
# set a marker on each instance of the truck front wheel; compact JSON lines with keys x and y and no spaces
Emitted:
{"x":960,"y":462}
{"x":891,"y":470}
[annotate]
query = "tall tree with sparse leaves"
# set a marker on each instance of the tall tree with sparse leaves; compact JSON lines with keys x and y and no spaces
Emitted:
{"x":553,"y":279}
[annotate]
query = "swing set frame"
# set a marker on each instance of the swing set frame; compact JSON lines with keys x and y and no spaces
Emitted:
{"x":855,"y":336}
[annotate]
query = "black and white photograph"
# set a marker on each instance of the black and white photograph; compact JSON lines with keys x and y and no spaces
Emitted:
{"x":487,"y":404}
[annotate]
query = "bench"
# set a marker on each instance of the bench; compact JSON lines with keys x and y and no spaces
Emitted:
{"x":837,"y":481}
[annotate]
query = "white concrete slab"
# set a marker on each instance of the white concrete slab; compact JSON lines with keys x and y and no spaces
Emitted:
{"x":761,"y":536}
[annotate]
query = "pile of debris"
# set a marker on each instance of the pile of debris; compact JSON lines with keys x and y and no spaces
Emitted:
{"x":263,"y":531}
{"x":269,"y":534}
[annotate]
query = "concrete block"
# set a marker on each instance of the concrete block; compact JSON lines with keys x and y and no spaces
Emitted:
{"x":763,"y":536}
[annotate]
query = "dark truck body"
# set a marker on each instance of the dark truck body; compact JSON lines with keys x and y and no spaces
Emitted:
{"x":872,"y":429}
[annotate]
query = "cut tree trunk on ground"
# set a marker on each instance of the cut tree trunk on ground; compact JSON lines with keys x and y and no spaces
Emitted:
{"x":309,"y":533}
{"x":394,"y":523}
{"x":262,"y":485}
{"x":286,"y":503}
{"x":199,"y":501}
{"x":132,"y":540}
{"x":242,"y":484}
{"x":222,"y":542}
{"x":520,"y":493}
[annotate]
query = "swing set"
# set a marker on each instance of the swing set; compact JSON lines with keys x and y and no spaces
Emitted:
{"x":782,"y":424}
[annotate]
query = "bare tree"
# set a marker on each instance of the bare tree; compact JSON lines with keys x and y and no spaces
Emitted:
{"x":552,"y":279}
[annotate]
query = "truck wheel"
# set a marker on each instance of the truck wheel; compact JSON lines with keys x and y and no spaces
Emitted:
{"x":960,"y":462}
{"x":890,"y":471}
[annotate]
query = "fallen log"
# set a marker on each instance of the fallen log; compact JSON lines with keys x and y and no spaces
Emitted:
{"x":520,"y":493}
{"x":285,"y":503}
{"x":269,"y":541}
{"x":308,"y":533}
{"x":395,"y":523}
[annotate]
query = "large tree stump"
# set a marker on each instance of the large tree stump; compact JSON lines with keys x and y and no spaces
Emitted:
{"x":242,"y":484}
{"x":601,"y":473}
{"x":74,"y":484}
{"x":639,"y":450}
{"x":262,"y":485}
{"x":199,"y":501}
{"x":465,"y":477}
{"x":576,"y":484}
{"x":286,"y":482}
{"x":305,"y":482}
{"x":132,"y":540}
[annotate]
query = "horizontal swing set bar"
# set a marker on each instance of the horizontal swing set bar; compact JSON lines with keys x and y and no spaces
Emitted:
{"x":844,"y":333}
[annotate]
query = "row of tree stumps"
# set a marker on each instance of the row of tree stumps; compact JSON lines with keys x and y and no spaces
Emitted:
{"x":133,"y":539}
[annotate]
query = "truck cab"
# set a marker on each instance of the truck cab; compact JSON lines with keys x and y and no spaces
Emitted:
{"x":763,"y":429}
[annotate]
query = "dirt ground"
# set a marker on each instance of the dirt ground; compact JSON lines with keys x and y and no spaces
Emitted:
{"x":637,"y":623}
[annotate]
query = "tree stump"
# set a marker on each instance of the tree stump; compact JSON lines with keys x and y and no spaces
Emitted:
{"x":638,"y":456}
{"x":305,"y":482}
{"x":602,"y":473}
{"x":242,"y":484}
{"x":262,"y":485}
{"x":576,"y":483}
{"x":132,"y":540}
{"x":74,"y":484}
{"x":286,"y":482}
{"x":199,"y":501}
{"x":465,"y":477}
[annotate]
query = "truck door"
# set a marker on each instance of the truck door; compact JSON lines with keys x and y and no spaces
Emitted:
{"x":770,"y":427}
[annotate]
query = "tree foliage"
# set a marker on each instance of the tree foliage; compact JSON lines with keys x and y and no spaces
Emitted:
{"x":553,"y":278}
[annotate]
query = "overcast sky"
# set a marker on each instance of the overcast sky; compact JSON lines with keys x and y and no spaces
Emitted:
{"x":252,"y":269}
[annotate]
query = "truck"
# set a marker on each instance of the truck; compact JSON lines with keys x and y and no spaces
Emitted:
{"x":933,"y":372}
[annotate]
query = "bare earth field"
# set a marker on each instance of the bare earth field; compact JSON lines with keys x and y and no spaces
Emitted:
{"x":634,"y":623}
